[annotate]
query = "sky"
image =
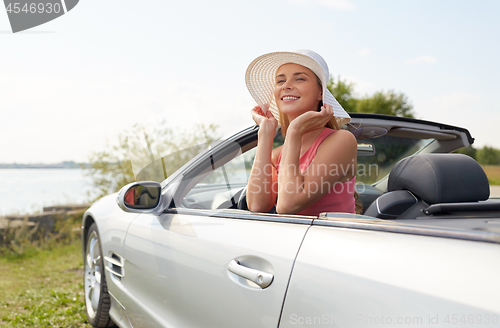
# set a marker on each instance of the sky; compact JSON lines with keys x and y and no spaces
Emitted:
{"x":69,"y":87}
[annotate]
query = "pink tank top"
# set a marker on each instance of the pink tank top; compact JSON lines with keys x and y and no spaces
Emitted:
{"x":340,"y":198}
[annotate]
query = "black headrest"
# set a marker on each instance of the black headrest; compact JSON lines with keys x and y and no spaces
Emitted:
{"x":440,"y":178}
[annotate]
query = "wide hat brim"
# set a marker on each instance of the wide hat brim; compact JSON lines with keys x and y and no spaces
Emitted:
{"x":260,"y":79}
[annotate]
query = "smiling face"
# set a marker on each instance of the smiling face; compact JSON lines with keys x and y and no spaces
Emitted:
{"x":296,"y":90}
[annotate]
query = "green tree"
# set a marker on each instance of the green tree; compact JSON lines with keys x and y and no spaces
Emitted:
{"x":388,"y":103}
{"x":343,"y":91}
{"x":488,"y":156}
{"x":381,"y":102}
{"x":110,"y":169}
{"x":146,"y":153}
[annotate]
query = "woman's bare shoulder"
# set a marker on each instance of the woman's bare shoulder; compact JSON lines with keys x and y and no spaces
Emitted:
{"x":342,"y":136}
{"x":340,"y":142}
{"x":339,"y":148}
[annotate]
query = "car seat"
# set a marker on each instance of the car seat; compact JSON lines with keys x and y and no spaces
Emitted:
{"x":427,"y":184}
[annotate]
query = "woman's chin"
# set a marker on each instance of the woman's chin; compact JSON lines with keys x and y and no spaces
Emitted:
{"x":293,"y":111}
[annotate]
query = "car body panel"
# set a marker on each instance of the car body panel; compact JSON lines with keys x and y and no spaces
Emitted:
{"x":357,"y":278}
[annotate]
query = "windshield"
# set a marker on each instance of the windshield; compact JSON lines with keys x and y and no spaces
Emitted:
{"x":388,"y":150}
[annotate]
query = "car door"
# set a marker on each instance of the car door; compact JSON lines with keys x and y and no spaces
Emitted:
{"x":178,"y":275}
{"x":187,"y":266}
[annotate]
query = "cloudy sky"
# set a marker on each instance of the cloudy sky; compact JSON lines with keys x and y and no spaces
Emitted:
{"x":71,"y":85}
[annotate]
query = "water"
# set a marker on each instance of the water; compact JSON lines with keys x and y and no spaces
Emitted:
{"x":24,"y":191}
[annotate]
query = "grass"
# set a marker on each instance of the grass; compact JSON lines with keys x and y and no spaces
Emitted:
{"x":43,"y":288}
{"x":493,"y":173}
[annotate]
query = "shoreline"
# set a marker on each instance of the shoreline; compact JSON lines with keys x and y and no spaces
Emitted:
{"x":45,"y":166}
{"x":46,"y":219}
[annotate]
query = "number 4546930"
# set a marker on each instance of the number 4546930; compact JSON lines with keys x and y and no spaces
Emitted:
{"x":476,"y":319}
{"x":33,"y":8}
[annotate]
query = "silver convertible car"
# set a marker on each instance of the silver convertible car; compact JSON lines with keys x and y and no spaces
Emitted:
{"x":183,"y":251}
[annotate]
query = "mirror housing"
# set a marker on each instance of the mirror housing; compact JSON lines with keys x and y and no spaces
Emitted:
{"x":142,"y":197}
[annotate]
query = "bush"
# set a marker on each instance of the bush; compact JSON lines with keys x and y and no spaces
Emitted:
{"x":488,"y":156}
{"x":22,"y":239}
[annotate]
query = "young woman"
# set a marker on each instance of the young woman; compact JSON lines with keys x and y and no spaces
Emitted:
{"x":314,"y":170}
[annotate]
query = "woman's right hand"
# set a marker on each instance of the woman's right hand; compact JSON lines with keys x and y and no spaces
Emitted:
{"x":261,"y":187}
{"x":264,"y":118}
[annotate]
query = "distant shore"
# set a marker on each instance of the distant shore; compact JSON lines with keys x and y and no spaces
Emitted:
{"x":62,"y":165}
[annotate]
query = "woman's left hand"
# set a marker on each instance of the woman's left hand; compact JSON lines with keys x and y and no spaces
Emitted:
{"x":312,"y":120}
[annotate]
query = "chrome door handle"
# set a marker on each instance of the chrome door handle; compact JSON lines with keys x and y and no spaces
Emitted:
{"x":261,"y":278}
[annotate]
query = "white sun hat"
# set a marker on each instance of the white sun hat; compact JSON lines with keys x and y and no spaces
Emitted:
{"x":261,"y":74}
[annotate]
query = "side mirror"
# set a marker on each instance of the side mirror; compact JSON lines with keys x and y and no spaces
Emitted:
{"x":141,"y":197}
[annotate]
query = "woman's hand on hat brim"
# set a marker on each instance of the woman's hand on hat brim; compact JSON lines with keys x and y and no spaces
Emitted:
{"x":263,"y":119}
